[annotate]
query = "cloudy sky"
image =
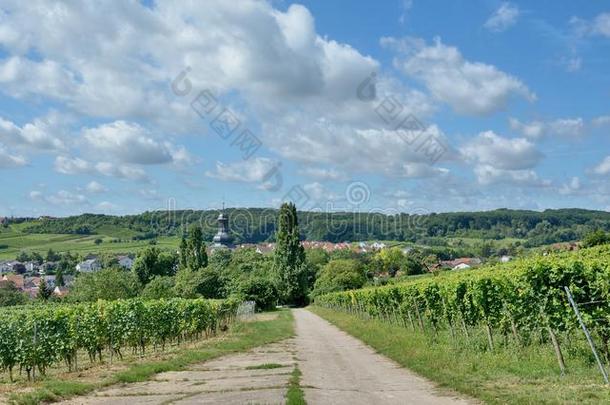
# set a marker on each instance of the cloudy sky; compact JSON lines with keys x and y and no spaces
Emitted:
{"x":417,"y":106}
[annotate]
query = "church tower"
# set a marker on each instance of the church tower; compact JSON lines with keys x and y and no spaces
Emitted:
{"x":223,"y":238}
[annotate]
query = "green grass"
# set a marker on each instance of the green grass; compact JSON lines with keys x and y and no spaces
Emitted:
{"x":265,"y":366}
{"x":295,"y":395}
{"x":241,"y":337}
{"x":510,"y":374}
{"x":52,"y":390}
{"x":13,"y":241}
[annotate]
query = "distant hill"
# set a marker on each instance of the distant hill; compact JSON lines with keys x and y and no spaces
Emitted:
{"x":252,"y":225}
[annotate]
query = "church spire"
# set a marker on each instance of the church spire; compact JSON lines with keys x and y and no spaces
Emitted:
{"x":223,"y":238}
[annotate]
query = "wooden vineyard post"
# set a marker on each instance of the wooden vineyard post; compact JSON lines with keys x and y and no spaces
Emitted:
{"x":587,"y":334}
{"x":35,"y":340}
{"x":465,"y":328}
{"x":420,"y":321}
{"x":411,"y":320}
{"x":490,"y":339}
{"x":558,"y":354}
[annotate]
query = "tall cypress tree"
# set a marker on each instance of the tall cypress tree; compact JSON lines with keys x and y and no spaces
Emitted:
{"x":289,"y":257}
{"x":183,"y":253}
{"x":193,"y":253}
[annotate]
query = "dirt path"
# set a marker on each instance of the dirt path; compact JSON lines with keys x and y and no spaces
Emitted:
{"x":233,"y":379}
{"x":336,"y":369}
{"x":339,"y":369}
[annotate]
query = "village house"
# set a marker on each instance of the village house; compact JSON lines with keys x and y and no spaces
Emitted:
{"x":125,"y":262}
{"x":4,"y":268}
{"x":327,"y":246}
{"x":48,"y":266}
{"x":31,"y":282}
{"x":60,"y":292}
{"x":34,"y":282}
{"x":18,"y":280}
{"x":31,"y":266}
{"x":461,"y":263}
{"x":12,"y":266}
{"x":88,"y":266}
{"x":263,"y":248}
{"x":68,"y":280}
{"x":378,"y":245}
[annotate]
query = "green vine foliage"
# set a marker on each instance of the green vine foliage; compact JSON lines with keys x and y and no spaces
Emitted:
{"x":35,"y":338}
{"x":518,"y":299}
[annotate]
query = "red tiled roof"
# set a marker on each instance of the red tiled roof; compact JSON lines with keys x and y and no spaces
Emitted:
{"x":16,"y":279}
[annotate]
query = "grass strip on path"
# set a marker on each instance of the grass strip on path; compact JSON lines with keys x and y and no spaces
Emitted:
{"x":295,"y":395}
{"x":241,"y":337}
{"x":508,"y":375}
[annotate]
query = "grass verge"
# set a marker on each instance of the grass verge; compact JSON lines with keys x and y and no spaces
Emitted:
{"x":295,"y":395}
{"x":509,"y":374}
{"x":265,"y":366}
{"x":241,"y":337}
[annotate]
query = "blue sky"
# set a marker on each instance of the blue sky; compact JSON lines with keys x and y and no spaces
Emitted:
{"x":476,"y":105}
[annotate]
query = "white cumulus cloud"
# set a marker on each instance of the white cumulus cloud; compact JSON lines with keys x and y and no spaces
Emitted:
{"x":258,"y":170}
{"x":128,"y":142}
{"x":62,"y":197}
{"x":598,"y":26}
{"x":502,"y":160}
{"x":503,"y":18}
{"x":564,"y":127}
{"x":491,"y":149}
{"x":8,"y":160}
{"x":38,"y":135}
{"x":78,"y":166}
{"x":472,"y":88}
{"x":95,"y":187}
{"x":603,"y":168}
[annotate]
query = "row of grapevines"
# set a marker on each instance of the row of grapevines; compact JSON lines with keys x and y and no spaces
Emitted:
{"x":517,"y":299}
{"x":35,"y":338}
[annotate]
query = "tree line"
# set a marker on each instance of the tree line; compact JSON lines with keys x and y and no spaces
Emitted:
{"x":290,"y":275}
{"x":253,"y":225}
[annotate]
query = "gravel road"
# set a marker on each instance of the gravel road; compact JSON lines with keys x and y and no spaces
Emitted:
{"x":339,"y":369}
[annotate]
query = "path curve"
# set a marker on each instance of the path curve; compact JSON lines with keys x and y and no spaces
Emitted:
{"x":339,"y":369}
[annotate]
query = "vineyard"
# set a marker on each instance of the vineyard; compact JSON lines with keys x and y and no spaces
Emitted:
{"x":522,"y":302}
{"x":36,"y":338}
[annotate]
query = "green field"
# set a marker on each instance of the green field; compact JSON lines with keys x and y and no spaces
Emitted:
{"x":13,"y":240}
